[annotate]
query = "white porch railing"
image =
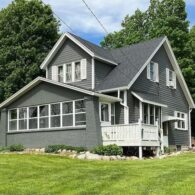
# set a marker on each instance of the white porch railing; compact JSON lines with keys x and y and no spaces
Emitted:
{"x":129,"y":135}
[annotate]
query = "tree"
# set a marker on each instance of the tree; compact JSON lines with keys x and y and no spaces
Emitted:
{"x":28,"y":30}
{"x":133,"y":31}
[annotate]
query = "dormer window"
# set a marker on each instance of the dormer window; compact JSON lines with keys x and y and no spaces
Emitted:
{"x":152,"y":72}
{"x":68,"y":68}
{"x":171,"y":78}
{"x":70,"y":72}
{"x":60,"y":74}
{"x":77,"y":71}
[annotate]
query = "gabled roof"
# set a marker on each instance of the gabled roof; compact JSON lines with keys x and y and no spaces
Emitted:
{"x":131,"y":59}
{"x":90,"y":48}
{"x":38,"y":80}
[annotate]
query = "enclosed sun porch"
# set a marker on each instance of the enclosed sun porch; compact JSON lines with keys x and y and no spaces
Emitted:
{"x":144,"y":131}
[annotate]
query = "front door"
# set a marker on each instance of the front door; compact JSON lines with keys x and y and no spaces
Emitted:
{"x":165,"y":134}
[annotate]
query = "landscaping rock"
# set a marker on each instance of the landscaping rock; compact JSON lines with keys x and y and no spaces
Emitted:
{"x":106,"y":158}
{"x":73,"y":156}
{"x":113,"y":158}
{"x":81,"y":156}
{"x":42,"y":150}
{"x":134,"y":158}
{"x":90,"y":156}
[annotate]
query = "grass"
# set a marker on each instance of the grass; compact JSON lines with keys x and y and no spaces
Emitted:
{"x":55,"y":175}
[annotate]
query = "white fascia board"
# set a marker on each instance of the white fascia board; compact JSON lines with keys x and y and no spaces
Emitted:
{"x":59,"y":44}
{"x":113,"y":89}
{"x":38,"y":80}
{"x":107,"y":98}
{"x":147,"y":101}
{"x":21,"y":92}
{"x":179,"y":74}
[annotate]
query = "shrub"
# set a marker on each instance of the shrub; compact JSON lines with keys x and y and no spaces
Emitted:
{"x":16,"y":148}
{"x":108,"y":150}
{"x":2,"y":149}
{"x":56,"y":148}
{"x":168,"y":150}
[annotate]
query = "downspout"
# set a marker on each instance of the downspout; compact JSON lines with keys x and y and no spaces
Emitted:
{"x":190,"y":129}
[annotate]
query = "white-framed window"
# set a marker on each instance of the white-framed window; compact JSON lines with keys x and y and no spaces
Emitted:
{"x":151,"y":114}
{"x":77,"y":71}
{"x":44,"y":116}
{"x":55,"y":115}
{"x":48,"y":116}
{"x":153,"y":71}
{"x":182,"y":122}
{"x":70,"y":72}
{"x":171,"y":78}
{"x":80,"y":112}
{"x":67,"y":114}
{"x":105,"y":112}
{"x":113,"y":122}
{"x":33,"y":117}
{"x":13,"y":120}
{"x":60,"y":73}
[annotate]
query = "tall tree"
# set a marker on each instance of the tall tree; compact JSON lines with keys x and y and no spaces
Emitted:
{"x":28,"y":30}
{"x":133,"y":31}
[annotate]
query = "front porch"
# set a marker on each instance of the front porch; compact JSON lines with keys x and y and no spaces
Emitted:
{"x":133,"y":134}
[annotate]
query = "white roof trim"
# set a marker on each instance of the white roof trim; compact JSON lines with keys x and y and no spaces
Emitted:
{"x":170,"y":118}
{"x":59,"y":43}
{"x":38,"y":80}
{"x":148,"y":101}
{"x":176,"y":68}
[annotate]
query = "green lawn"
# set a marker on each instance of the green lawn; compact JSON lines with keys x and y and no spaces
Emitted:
{"x":41,"y":174}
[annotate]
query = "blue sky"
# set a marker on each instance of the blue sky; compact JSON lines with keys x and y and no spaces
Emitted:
{"x":110,"y":12}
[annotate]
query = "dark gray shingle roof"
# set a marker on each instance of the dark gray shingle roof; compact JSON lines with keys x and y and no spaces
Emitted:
{"x":150,"y":97}
{"x":99,"y":51}
{"x":130,"y":59}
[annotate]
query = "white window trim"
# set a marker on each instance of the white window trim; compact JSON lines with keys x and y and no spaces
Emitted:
{"x":156,"y":72}
{"x":168,"y":83}
{"x":109,"y":113}
{"x":49,"y":115}
{"x":73,"y":64}
{"x":148,"y":115}
{"x":185,"y":120}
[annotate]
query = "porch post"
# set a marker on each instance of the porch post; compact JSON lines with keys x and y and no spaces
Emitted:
{"x":157,"y":151}
{"x":140,"y":152}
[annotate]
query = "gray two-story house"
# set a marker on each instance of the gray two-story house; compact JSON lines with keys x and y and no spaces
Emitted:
{"x":133,"y":96}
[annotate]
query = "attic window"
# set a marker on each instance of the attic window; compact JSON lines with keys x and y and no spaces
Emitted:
{"x":171,"y":78}
{"x":152,"y":72}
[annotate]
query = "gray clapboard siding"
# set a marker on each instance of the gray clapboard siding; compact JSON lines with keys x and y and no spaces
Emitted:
{"x":101,"y":71}
{"x":174,"y":99}
{"x":70,"y":52}
{"x":45,"y":93}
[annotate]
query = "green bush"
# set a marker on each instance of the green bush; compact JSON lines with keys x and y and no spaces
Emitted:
{"x":16,"y":148}
{"x":168,"y":150}
{"x":3,"y":149}
{"x":56,"y":148}
{"x":108,"y":150}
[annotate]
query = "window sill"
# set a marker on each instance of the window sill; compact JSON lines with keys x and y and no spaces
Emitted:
{"x":178,"y":129}
{"x":48,"y":130}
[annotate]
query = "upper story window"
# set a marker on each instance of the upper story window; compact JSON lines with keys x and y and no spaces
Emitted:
{"x":182,"y":122}
{"x":70,"y":72}
{"x":170,"y":78}
{"x":152,"y":72}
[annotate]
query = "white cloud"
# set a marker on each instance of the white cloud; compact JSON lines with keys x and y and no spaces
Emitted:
{"x":110,"y":13}
{"x":190,"y":2}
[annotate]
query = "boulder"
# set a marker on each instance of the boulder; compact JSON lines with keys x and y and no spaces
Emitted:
{"x":134,"y":158}
{"x":81,"y":156}
{"x":42,"y":150}
{"x":106,"y":158}
{"x":90,"y":156}
{"x":113,"y":157}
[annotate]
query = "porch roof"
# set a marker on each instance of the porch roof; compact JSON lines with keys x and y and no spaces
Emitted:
{"x":148,"y":98}
{"x":38,"y":80}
